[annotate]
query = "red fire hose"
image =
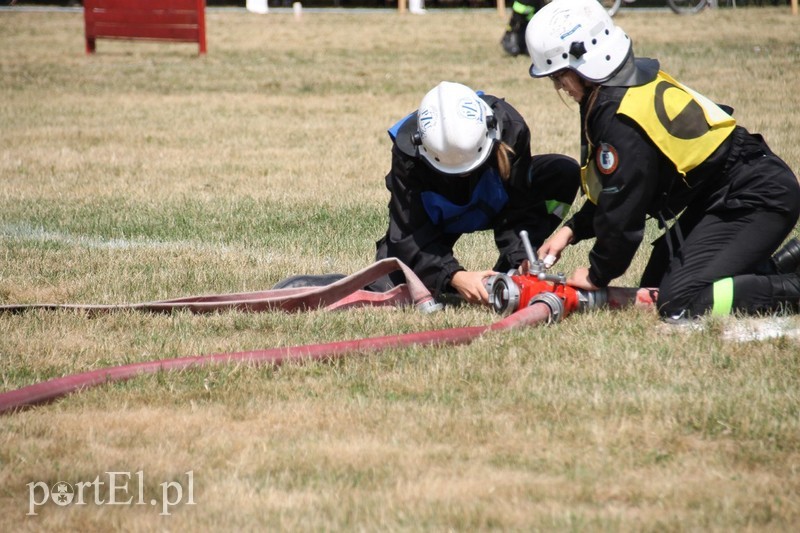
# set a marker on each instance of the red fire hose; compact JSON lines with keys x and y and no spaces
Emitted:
{"x":344,"y":293}
{"x":56,"y":388}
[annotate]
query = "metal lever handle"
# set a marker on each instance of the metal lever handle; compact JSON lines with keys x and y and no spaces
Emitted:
{"x":526,"y":242}
{"x":537,"y":267}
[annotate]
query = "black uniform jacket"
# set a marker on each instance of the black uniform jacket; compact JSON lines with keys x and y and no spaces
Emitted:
{"x":645,"y":183}
{"x":413,"y":238}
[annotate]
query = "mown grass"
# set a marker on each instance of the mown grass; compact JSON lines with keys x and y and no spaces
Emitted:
{"x":146,"y":172}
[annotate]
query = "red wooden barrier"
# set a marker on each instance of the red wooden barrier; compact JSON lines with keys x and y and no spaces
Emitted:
{"x":170,"y":20}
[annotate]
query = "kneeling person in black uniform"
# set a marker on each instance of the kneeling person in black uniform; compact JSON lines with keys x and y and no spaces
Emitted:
{"x":462,"y":163}
{"x":653,"y":147}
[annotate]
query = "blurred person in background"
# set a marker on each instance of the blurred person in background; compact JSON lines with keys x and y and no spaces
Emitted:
{"x":522,"y":11}
{"x":652,"y":147}
{"x":462,"y":163}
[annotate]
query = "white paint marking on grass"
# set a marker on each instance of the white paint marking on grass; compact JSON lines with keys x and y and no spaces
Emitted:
{"x":26,"y":232}
{"x":759,"y":329}
{"x":741,"y":329}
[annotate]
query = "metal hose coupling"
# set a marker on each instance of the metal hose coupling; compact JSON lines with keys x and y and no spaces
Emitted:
{"x":504,"y":293}
{"x":429,"y":306}
{"x":592,"y":299}
{"x":586,"y":300}
{"x":552,"y":301}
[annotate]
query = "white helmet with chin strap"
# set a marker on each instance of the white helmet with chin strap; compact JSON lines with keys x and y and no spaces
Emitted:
{"x":456,"y":129}
{"x":578,"y":35}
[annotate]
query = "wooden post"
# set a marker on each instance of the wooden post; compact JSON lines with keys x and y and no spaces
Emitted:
{"x":402,"y":6}
{"x":794,"y":7}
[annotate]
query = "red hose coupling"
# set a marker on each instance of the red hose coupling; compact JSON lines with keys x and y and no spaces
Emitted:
{"x":510,"y":293}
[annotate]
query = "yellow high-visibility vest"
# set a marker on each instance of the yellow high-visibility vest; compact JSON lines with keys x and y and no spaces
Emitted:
{"x":685,"y":125}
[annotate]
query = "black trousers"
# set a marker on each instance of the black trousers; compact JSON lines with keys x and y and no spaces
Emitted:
{"x":728,"y":241}
{"x":553,"y":179}
{"x":734,"y":245}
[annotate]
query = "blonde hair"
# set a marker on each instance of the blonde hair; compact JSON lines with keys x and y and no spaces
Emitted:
{"x":504,"y":153}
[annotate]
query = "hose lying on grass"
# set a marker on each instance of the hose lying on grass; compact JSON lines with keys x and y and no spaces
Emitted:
{"x":56,"y":388}
{"x":345,"y":293}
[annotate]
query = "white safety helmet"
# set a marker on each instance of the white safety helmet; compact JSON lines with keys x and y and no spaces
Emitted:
{"x":578,"y":35}
{"x":456,"y":129}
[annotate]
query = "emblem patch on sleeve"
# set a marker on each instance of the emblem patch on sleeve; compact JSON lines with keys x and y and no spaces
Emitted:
{"x":607,"y":158}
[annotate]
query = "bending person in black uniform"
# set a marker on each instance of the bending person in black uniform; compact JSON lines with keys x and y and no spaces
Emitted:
{"x":739,"y":200}
{"x":462,"y":163}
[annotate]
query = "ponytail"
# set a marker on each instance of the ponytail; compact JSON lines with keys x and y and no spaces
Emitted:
{"x":504,"y":153}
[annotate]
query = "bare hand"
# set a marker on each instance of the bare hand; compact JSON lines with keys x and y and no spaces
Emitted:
{"x":550,"y":250}
{"x":580,"y":280}
{"x":470,"y":285}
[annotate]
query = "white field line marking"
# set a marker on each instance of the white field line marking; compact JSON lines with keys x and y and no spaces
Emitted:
{"x":758,"y":329}
{"x":26,"y":232}
{"x":742,"y":329}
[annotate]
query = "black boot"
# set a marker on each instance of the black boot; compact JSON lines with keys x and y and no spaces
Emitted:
{"x":510,"y":43}
{"x":787,"y":259}
{"x":514,"y":39}
{"x":786,"y":291}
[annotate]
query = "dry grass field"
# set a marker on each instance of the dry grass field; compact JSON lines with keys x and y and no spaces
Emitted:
{"x":145,"y":172}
